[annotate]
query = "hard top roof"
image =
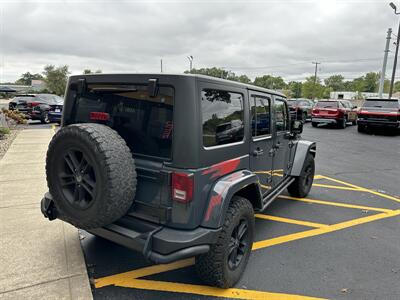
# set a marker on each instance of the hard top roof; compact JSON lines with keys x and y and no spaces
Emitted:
{"x":196,"y":76}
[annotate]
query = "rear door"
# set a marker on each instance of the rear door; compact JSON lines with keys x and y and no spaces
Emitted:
{"x":261,"y":143}
{"x":281,"y":142}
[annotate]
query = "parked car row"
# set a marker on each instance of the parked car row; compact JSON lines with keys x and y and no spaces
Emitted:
{"x":44,"y":107}
{"x":301,"y":108}
{"x":374,"y":113}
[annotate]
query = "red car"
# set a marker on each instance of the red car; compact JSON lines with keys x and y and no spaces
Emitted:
{"x":379,"y":113}
{"x":336,"y":112}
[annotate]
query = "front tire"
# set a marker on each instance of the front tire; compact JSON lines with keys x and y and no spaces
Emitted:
{"x":301,"y":186}
{"x":226,"y":261}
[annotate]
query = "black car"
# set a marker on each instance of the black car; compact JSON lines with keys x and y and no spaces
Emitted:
{"x":301,"y":108}
{"x":379,"y":113}
{"x":44,"y":107}
{"x":174,"y":166}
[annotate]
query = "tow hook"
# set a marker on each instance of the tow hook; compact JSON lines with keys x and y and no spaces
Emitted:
{"x":48,"y":208}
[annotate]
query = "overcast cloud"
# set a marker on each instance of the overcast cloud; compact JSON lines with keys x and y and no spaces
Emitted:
{"x":247,"y":37}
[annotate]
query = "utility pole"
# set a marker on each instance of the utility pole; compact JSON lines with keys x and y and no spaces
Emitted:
{"x":161,"y":65}
{"x":190,"y":58}
{"x":397,"y":51}
{"x":385,"y":56}
{"x":315,"y":77}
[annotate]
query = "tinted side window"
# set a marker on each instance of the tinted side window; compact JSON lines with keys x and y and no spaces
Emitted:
{"x":260,"y":116}
{"x":222,"y":114}
{"x":281,"y":118}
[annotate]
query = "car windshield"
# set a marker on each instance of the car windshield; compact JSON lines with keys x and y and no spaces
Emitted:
{"x":381,"y":103}
{"x":51,"y":99}
{"x":327,"y":104}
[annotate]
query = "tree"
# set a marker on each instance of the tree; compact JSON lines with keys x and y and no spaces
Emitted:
{"x":26,"y":78}
{"x":243,"y":79}
{"x":371,"y":82}
{"x":335,"y":82}
{"x":295,"y":88}
{"x":88,"y":71}
{"x":313,"y":90}
{"x":396,"y":87}
{"x":214,"y":72}
{"x":270,"y":82}
{"x":56,"y":78}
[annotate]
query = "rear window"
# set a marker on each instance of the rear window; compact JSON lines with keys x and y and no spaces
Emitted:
{"x":23,"y":98}
{"x":222,"y":114}
{"x":145,"y":123}
{"x":381,"y":103}
{"x":327,"y":104}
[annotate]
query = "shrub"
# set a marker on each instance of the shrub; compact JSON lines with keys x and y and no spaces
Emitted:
{"x":4,"y":131}
{"x":14,"y":115}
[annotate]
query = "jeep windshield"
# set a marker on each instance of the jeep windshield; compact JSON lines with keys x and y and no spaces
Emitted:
{"x":145,"y":122}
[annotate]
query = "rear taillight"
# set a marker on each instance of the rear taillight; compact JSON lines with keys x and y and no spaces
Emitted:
{"x":99,"y":116}
{"x":33,"y":104}
{"x":182,"y":187}
{"x":315,"y":110}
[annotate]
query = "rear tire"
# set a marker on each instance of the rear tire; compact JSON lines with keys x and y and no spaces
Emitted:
{"x":314,"y":124}
{"x":45,"y":118}
{"x":361,"y":128}
{"x":301,"y":186}
{"x":226,"y":261}
{"x":343,"y":123}
{"x":91,"y":175}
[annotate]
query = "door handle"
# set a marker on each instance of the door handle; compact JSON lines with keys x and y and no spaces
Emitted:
{"x":272,"y":151}
{"x":258,"y":152}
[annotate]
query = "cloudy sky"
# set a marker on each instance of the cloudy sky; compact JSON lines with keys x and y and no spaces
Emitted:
{"x":247,"y":37}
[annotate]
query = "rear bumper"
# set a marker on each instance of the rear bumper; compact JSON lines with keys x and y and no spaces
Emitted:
{"x":157,"y":243}
{"x":385,"y":124}
{"x":54,"y":117}
{"x":324,"y":120}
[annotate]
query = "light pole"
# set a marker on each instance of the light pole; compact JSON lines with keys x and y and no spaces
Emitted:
{"x":397,"y":51}
{"x":190,"y":58}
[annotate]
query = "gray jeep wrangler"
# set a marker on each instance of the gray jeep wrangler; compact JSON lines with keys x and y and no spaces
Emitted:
{"x":174,"y":166}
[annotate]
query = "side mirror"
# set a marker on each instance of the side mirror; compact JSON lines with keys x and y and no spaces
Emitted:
{"x":296,"y":127}
{"x":354,"y":107}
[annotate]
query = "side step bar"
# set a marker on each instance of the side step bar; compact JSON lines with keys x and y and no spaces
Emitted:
{"x":277,"y":191}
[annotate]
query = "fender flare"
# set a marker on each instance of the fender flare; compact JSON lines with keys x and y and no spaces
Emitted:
{"x":222,"y":192}
{"x":302,"y":150}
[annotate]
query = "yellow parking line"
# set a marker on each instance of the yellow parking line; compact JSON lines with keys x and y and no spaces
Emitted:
{"x":363,"y":189}
{"x":232,"y":293}
{"x":337,"y":187}
{"x":316,"y":177}
{"x":267,"y":187}
{"x":128,"y":279}
{"x":122,"y":278}
{"x":319,"y":231}
{"x":323,"y":202}
{"x":290,"y":221}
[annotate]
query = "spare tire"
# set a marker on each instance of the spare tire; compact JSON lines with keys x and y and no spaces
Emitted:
{"x":90,"y":174}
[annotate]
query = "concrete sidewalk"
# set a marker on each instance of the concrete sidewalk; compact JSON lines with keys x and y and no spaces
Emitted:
{"x":38,"y":259}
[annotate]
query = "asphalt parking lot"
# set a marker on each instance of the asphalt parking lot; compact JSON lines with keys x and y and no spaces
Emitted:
{"x":339,"y":243}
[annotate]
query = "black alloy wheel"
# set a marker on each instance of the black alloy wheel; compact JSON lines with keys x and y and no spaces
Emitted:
{"x":78,"y":179}
{"x":238,"y":245}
